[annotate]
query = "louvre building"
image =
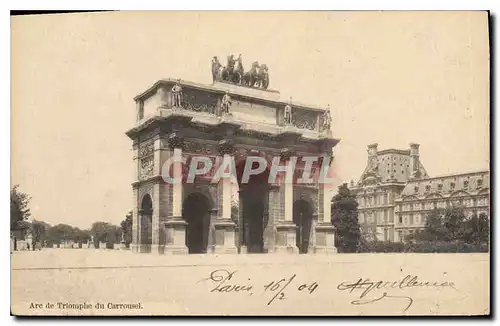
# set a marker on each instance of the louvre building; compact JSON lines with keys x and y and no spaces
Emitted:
{"x":395,"y":193}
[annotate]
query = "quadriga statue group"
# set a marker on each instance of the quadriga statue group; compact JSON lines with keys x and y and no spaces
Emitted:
{"x":233,"y":72}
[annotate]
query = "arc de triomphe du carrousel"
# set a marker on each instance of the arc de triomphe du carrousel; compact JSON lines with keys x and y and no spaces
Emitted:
{"x":183,"y":126}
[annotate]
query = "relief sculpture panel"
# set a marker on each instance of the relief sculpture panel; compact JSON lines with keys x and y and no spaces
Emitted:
{"x":198,"y":101}
{"x":305,"y":119}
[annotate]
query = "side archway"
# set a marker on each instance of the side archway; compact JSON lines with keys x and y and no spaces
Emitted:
{"x":146,"y":220}
{"x":196,"y":212}
{"x":303,"y":213}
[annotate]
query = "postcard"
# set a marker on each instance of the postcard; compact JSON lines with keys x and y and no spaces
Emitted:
{"x":319,"y":163}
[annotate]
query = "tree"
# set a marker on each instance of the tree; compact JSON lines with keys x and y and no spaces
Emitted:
{"x":19,"y":211}
{"x":61,"y":233}
{"x":39,"y":231}
{"x":126,"y":228}
{"x":345,"y":220}
{"x":80,"y":235}
{"x":476,"y":230}
{"x":451,"y":224}
{"x":105,"y":232}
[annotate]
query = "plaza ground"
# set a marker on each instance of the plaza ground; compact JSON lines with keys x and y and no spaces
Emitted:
{"x":181,"y":284}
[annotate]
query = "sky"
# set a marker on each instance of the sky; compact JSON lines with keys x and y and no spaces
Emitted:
{"x":389,"y":77}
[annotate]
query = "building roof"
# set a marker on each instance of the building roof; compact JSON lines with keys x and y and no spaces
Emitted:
{"x":393,"y":166}
{"x":448,"y":184}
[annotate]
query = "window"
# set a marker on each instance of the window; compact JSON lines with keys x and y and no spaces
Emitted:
{"x":440,"y":186}
{"x":416,"y":189}
{"x":479,"y":183}
{"x":411,"y":219}
{"x":400,"y":219}
{"x":427,"y":188}
{"x":466,"y":184}
{"x":452,"y":185}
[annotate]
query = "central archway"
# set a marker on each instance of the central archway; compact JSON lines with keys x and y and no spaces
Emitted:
{"x":302,"y":217}
{"x":253,"y":196}
{"x":195,"y":211}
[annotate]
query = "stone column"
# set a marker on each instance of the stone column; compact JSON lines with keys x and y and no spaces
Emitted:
{"x":224,"y":226}
{"x":134,"y":246}
{"x":136,"y":240}
{"x":211,"y":230}
{"x":312,"y":234}
{"x":274,"y":217}
{"x":242,"y":236}
{"x":175,"y":225}
{"x":325,"y":232}
{"x":286,"y":229}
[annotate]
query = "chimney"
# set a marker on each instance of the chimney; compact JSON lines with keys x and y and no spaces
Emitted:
{"x":414,"y":159}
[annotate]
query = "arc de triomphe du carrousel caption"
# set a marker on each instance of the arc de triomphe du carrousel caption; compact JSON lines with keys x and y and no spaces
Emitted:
{"x":237,"y":119}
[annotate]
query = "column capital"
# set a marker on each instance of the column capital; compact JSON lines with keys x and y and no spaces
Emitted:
{"x":286,"y":153}
{"x":175,"y":140}
{"x":226,"y":146}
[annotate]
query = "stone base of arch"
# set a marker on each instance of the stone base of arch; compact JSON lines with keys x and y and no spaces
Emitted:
{"x":325,"y":239}
{"x":286,"y":234}
{"x":157,"y":249}
{"x":225,"y":237}
{"x":176,"y":235}
{"x":143,"y":248}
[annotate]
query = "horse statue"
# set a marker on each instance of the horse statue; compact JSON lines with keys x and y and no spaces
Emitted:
{"x":238,"y":72}
{"x":250,"y":77}
{"x":263,"y":77}
{"x":227,"y":73}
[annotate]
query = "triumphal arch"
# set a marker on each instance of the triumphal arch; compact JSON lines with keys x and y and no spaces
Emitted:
{"x":236,"y":118}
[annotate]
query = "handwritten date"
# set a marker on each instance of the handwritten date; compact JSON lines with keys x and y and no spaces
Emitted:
{"x":222,"y":278}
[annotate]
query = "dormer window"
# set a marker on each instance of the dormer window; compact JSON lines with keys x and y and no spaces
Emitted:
{"x":452,"y":186}
{"x":427,"y":188}
{"x":466,"y":184}
{"x":416,"y":189}
{"x":479,"y":183}
{"x":440,"y":186}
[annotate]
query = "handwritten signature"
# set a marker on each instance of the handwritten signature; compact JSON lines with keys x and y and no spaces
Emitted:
{"x":221,"y":279}
{"x":371,"y":287}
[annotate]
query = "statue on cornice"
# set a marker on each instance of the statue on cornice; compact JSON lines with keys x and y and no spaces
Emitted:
{"x":327,"y":120}
{"x":226,"y":104}
{"x":177,"y":95}
{"x":288,"y":113}
{"x":216,"y":66}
